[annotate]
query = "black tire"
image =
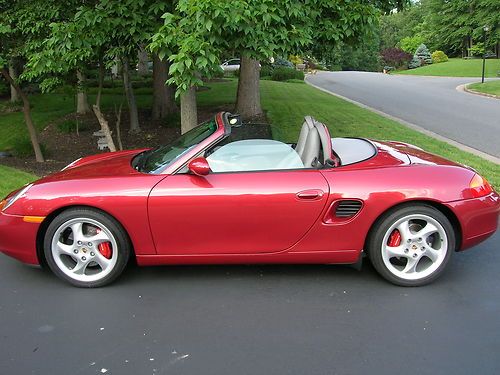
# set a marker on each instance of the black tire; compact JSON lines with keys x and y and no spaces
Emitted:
{"x":375,"y":245}
{"x":123,"y":250}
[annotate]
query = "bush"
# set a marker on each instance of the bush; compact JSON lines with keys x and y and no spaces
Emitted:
{"x":477,"y":50}
{"x":395,"y":57}
{"x":22,"y":148}
{"x":439,"y":57}
{"x":284,"y":74}
{"x":69,"y":126}
{"x":423,"y":54}
{"x":415,"y":63}
{"x":410,"y":43}
{"x":296,"y":59}
{"x":279,"y":62}
{"x":266,"y":71}
{"x":4,"y":88}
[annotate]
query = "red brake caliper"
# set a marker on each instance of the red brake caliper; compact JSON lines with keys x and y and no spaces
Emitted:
{"x":105,"y":249}
{"x":395,"y":238}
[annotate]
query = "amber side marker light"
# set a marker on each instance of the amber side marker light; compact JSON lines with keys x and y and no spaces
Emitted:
{"x":33,"y":219}
{"x":3,"y":204}
{"x":479,"y":187}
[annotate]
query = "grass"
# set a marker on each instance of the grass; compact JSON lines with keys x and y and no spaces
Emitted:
{"x":11,"y":179}
{"x":46,"y":108}
{"x":492,"y":87}
{"x":457,"y":68}
{"x":286,"y":104}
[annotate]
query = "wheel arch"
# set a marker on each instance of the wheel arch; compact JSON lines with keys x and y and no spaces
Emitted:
{"x":450,"y":215}
{"x":49,"y":218}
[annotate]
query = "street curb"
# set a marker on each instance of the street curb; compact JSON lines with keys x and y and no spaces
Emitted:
{"x":464,"y":88}
{"x":410,"y":125}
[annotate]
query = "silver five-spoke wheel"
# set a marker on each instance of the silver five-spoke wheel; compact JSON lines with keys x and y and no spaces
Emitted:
{"x":86,"y":247}
{"x":411,"y":245}
{"x":83,"y":249}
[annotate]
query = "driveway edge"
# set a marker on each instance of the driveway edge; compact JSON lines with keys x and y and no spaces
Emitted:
{"x":410,"y":125}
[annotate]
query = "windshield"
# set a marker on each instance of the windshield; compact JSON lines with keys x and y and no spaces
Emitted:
{"x":156,"y":160}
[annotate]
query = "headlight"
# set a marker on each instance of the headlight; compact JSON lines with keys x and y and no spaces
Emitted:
{"x":6,"y":203}
{"x":71,"y":164}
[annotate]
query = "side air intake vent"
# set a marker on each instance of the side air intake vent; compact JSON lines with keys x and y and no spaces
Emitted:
{"x":347,"y":208}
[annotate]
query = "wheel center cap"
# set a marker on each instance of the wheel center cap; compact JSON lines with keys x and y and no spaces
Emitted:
{"x":84,"y":250}
{"x":414,"y":247}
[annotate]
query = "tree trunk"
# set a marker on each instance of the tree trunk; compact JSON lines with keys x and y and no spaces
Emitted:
{"x":132,"y":104}
{"x":82,"y":104}
{"x":189,"y":114}
{"x":142,"y":66}
{"x":27,"y":116}
{"x":101,"y":83}
{"x":163,"y":94}
{"x":14,"y":97}
{"x":248,"y":99}
{"x":105,"y":128}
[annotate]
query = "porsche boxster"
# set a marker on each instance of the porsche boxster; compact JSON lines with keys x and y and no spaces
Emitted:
{"x":215,"y":197}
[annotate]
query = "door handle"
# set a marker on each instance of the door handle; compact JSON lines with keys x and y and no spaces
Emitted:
{"x":310,"y":195}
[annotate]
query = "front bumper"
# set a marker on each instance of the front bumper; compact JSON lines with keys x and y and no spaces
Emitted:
{"x":478,"y":218}
{"x":18,"y":238}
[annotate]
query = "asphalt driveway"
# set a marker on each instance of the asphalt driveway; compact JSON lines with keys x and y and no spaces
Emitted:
{"x":432,"y":103}
{"x":254,"y":320}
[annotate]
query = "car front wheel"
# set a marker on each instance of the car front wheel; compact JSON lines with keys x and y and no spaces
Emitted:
{"x":86,"y":247}
{"x":411,"y":245}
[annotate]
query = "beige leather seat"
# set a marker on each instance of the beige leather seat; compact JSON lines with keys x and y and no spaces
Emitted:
{"x":309,"y":143}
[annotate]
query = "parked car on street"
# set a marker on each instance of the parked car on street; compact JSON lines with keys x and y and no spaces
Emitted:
{"x":231,"y":65}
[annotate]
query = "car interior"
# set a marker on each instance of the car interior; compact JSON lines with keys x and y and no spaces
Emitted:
{"x":266,"y":154}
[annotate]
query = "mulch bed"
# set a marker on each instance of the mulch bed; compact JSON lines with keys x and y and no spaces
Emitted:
{"x":62,"y":148}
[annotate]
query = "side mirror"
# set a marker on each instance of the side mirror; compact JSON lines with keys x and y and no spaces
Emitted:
{"x":199,"y":166}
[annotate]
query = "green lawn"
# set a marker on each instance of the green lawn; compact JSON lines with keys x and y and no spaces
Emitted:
{"x":286,"y":104}
{"x":492,"y":87}
{"x":457,"y":68}
{"x":11,"y":179}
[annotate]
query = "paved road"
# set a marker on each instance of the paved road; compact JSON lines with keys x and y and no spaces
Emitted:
{"x":254,"y":320}
{"x":432,"y":103}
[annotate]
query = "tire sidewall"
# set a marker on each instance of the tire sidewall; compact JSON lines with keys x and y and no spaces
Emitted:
{"x":111,"y":224}
{"x":382,"y":226}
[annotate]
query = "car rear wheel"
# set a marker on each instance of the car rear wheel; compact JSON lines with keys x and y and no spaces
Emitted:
{"x":411,"y":245}
{"x":86,"y":247}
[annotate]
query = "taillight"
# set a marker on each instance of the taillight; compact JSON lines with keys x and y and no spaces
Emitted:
{"x":479,"y":187}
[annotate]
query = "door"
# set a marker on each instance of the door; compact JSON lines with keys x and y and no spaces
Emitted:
{"x":235,"y":213}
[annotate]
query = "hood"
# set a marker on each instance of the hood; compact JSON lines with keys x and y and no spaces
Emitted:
{"x":101,"y":165}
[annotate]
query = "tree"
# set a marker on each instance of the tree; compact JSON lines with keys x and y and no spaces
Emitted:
{"x":22,"y":30}
{"x":163,"y":93}
{"x":423,"y":54}
{"x":199,"y":31}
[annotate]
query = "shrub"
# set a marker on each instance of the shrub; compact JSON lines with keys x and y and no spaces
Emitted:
{"x":423,"y":54}
{"x":439,"y":57}
{"x":278,"y":62}
{"x":296,"y":59}
{"x":477,"y":50}
{"x":414,"y":63}
{"x":395,"y":57}
{"x":266,"y":71}
{"x":284,"y":74}
{"x":22,"y":148}
{"x":69,"y":126}
{"x":410,"y":43}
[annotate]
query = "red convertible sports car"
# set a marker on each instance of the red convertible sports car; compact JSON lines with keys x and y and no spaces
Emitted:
{"x":214,"y":197}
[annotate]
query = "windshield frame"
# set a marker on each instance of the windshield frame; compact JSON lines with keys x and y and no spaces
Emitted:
{"x":223,"y":129}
